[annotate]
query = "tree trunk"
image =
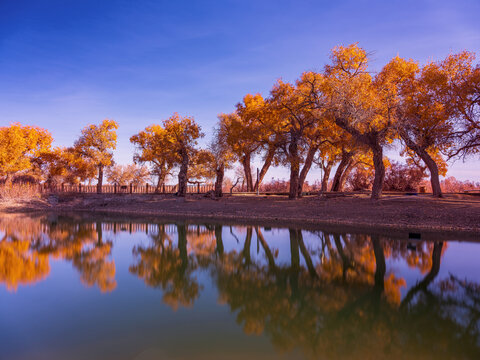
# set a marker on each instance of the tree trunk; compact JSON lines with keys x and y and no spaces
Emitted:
{"x":182,"y":175}
{"x":161,"y":180}
{"x":326,"y":175}
{"x":8,"y":179}
{"x":346,"y":262}
{"x":100,"y":180}
{"x":306,"y":168}
{"x":265,"y":167}
{"x":306,"y":255}
{"x":268,"y":253}
{"x":380,"y":267}
{"x":294,"y":167}
{"x":182,"y":246}
{"x":344,"y":176}
{"x":219,"y":180}
{"x":428,"y":160}
{"x":218,"y":238}
{"x":248,"y":171}
{"x":246,"y":246}
{"x":379,"y":171}
{"x":294,"y":262}
{"x":346,"y":157}
{"x":98,"y":228}
{"x":432,"y":274}
{"x":433,"y":169}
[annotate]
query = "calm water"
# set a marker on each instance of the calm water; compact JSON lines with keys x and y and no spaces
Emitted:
{"x":80,"y":288}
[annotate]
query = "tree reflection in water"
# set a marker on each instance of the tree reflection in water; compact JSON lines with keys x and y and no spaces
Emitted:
{"x":169,"y":267}
{"x":28,"y":243}
{"x":335,"y":297}
{"x":332,"y":301}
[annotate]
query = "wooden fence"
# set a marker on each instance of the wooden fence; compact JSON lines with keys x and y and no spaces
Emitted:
{"x":128,"y":189}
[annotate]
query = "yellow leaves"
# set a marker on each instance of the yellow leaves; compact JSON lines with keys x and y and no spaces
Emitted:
{"x":182,"y":132}
{"x":20,"y":145}
{"x":162,"y":145}
{"x":96,"y":143}
{"x":203,"y":166}
{"x":349,"y":59}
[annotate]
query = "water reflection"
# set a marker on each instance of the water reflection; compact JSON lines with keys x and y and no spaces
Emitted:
{"x":28,"y":244}
{"x":334,"y":296}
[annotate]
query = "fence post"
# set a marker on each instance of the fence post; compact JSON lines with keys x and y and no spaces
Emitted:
{"x":131,"y":187}
{"x":79,"y":188}
{"x":163,"y":188}
{"x":146,"y":188}
{"x":198,"y":188}
{"x":115,"y":188}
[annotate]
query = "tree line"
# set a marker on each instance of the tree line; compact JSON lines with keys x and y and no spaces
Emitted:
{"x":342,"y":118}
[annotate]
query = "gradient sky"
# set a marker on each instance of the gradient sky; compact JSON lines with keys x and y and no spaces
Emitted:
{"x":68,"y":63}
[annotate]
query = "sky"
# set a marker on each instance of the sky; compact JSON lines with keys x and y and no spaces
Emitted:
{"x":65,"y":64}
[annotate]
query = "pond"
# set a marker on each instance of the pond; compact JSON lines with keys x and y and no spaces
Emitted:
{"x":80,"y":287}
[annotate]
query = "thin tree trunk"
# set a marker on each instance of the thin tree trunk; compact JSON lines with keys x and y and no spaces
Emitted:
{"x":219,"y":180}
{"x":346,"y":157}
{"x":268,"y":253}
{"x":379,"y":171}
{"x":432,"y":274}
{"x":100,"y":180}
{"x":326,"y":175}
{"x":346,"y":262}
{"x":248,"y":171}
{"x":182,"y":175}
{"x":265,"y":167}
{"x":306,"y":255}
{"x":306,"y":168}
{"x":294,"y":167}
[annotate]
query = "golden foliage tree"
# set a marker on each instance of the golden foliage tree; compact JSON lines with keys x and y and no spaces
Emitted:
{"x":357,"y":102}
{"x":467,"y":126}
{"x":20,"y":147}
{"x":426,"y":110}
{"x":222,"y":156}
{"x":65,"y":166}
{"x":182,"y":134}
{"x":153,"y":147}
{"x":96,"y":144}
{"x":171,"y":144}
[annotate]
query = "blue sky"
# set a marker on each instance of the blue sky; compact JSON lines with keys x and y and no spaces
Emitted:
{"x":68,"y":63}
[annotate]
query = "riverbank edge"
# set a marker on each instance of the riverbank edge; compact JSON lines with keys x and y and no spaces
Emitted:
{"x":390,"y":229}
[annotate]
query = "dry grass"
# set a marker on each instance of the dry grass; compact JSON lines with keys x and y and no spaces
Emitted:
{"x":19,"y":192}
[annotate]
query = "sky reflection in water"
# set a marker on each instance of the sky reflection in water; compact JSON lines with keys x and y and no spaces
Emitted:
{"x":111,"y":289}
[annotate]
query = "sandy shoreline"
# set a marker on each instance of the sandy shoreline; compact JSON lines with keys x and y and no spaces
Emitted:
{"x":396,"y":213}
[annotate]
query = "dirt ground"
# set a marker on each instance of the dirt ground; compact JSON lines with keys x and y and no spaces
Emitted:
{"x":400,"y":212}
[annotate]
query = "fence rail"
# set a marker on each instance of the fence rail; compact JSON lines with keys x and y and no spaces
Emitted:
{"x":129,"y":189}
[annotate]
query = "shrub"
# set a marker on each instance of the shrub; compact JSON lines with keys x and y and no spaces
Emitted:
{"x":403,"y":177}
